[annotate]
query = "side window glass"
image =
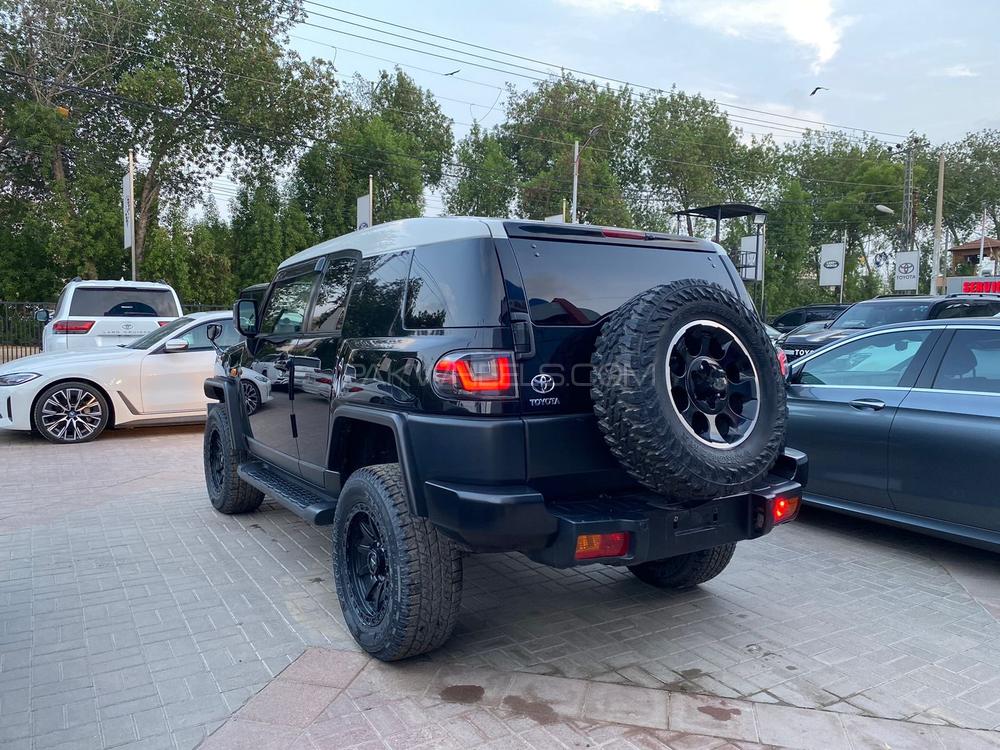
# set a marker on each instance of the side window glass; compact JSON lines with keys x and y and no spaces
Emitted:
{"x":955,"y":310}
{"x":454,"y":284}
{"x":879,"y":360}
{"x":817,"y":315}
{"x":789,"y":319}
{"x":376,"y":303}
{"x":972,"y":362}
{"x":286,"y":307}
{"x":331,"y":299}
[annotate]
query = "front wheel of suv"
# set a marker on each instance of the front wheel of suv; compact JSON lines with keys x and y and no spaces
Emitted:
{"x":229,"y":494}
{"x":399,"y":580}
{"x":685,"y":571}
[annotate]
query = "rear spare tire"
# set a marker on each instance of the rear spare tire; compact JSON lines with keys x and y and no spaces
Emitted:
{"x":688,"y":392}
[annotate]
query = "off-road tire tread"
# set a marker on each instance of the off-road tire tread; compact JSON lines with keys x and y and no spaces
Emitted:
{"x":430,"y":571}
{"x":626,"y":409}
{"x":685,"y":571}
{"x":239,"y":497}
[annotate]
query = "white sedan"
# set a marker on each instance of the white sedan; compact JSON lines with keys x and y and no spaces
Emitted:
{"x":72,"y":397}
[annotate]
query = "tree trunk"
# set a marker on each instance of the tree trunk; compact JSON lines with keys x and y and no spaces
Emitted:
{"x":144,"y":213}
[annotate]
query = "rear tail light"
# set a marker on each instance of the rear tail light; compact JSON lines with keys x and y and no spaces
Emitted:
{"x":73,"y":326}
{"x":785,"y":508}
{"x":592,"y":546}
{"x":477,"y":375}
{"x":783,"y":362}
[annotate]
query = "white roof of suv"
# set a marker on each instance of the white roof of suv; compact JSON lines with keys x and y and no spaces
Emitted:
{"x":118,"y":284}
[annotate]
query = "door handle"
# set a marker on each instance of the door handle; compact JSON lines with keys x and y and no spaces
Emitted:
{"x":868,"y":403}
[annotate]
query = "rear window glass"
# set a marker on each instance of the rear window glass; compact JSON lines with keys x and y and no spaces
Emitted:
{"x":123,"y":302}
{"x":376,"y":302}
{"x":577,"y":283}
{"x":454,"y":285}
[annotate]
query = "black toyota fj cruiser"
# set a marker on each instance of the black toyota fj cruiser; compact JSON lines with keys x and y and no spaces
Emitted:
{"x":443,"y":386}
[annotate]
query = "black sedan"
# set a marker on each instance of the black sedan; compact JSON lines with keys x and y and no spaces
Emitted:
{"x":902,"y":425}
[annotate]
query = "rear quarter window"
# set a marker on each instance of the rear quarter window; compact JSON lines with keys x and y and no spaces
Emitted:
{"x":375,"y":306}
{"x":454,"y":285}
{"x":578,"y":283}
{"x":100,"y":302}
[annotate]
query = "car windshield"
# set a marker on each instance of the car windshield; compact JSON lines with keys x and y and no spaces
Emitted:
{"x":160,"y":334}
{"x":871,"y":314}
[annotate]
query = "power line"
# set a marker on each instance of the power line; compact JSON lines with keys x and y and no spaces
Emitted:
{"x":553,"y":65}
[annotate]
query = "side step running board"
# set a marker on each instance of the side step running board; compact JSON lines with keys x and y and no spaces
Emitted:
{"x":304,"y":501}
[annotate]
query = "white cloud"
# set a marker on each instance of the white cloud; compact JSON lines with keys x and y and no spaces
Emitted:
{"x":812,"y":24}
{"x":613,"y":6}
{"x":958,"y":71}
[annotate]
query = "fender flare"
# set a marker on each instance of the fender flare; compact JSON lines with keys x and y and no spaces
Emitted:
{"x":397,"y":424}
{"x":225,"y":394}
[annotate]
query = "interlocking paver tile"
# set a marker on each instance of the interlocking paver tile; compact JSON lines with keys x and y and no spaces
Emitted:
{"x":139,"y":603}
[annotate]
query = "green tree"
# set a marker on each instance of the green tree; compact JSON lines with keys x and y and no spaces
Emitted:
{"x":256,"y":224}
{"x":487,"y":181}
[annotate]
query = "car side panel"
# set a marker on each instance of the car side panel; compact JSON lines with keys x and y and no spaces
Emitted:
{"x":847,"y":447}
{"x":943,"y":450}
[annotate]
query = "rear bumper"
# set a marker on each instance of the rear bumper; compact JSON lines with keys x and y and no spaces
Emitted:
{"x":520,"y":518}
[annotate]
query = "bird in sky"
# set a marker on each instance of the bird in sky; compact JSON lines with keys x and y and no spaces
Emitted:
{"x":818,"y":88}
{"x":459,"y":70}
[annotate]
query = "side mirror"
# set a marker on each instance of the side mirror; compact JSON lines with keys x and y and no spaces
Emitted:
{"x":213,"y":332}
{"x":245,"y":317}
{"x":42,"y":316}
{"x":175,"y":345}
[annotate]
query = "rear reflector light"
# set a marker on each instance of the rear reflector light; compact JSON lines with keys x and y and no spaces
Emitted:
{"x":623,"y":234}
{"x":479,"y":375}
{"x":783,"y":362}
{"x":162,"y":323}
{"x":590,"y":546}
{"x":73,"y":326}
{"x":786,"y":507}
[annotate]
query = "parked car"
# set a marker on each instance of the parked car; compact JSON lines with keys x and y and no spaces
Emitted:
{"x":791,"y":319}
{"x":902,"y":425}
{"x":886,"y":310}
{"x":72,"y":397}
{"x":96,"y":314}
{"x":577,"y":393}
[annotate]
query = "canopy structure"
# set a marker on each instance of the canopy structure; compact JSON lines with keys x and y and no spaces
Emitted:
{"x":723,"y":211}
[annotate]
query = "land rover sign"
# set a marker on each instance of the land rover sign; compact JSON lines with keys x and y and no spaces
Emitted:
{"x":831,"y":264}
{"x":907,"y":272}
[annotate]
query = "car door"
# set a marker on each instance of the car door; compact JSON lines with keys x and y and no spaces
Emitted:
{"x":173,"y":381}
{"x":841,"y":404}
{"x":315,"y":362}
{"x":946,"y":437}
{"x":281,"y":323}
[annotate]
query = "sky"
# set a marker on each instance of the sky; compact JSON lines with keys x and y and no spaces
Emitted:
{"x":889,"y":67}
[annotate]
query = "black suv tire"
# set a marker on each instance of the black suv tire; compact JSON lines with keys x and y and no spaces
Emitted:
{"x":399,"y":580}
{"x":229,"y":494}
{"x":685,"y":571}
{"x":688,"y":391}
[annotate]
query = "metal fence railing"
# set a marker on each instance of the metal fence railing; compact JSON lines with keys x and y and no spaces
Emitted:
{"x":20,"y":333}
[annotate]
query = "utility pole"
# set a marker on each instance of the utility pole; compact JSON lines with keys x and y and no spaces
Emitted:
{"x":938,"y":215}
{"x":371,"y":202}
{"x":576,"y":179}
{"x":128,"y":200}
{"x":982,"y":242}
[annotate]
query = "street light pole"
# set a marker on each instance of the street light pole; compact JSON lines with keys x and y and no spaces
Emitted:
{"x":576,"y":180}
{"x":936,"y":256}
{"x":577,"y":150}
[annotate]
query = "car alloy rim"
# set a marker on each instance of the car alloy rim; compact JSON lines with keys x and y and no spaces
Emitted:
{"x":714,"y":388}
{"x":250,"y":396}
{"x":215,"y":465}
{"x":367,"y":567}
{"x":71,"y":414}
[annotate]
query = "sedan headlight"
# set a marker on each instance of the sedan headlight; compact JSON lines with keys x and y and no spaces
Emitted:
{"x":16,"y":378}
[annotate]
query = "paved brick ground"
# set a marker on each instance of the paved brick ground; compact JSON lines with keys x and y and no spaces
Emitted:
{"x":132,"y":615}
